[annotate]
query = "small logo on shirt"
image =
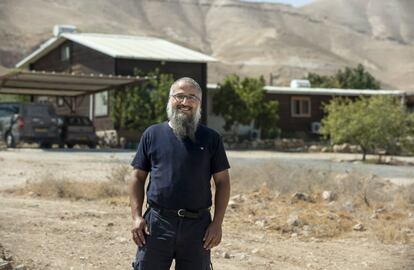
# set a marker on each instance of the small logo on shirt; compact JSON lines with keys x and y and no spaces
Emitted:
{"x":201,"y":148}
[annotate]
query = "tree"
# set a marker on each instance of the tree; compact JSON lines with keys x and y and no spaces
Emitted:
{"x":349,"y":78}
{"x":372,"y":123}
{"x":138,"y":107}
{"x":14,"y":98}
{"x":242,"y":101}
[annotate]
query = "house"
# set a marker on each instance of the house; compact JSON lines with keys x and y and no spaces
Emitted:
{"x":301,"y":109}
{"x":87,"y":53}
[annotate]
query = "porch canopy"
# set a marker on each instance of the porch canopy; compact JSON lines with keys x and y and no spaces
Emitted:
{"x":42,"y":83}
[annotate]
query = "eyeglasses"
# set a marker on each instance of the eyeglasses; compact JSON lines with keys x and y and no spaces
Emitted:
{"x":181,"y":97}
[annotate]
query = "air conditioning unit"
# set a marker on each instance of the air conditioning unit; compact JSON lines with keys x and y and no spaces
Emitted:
{"x":315,"y":127}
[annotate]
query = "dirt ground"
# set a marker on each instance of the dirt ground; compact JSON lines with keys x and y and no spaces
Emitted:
{"x":55,"y":233}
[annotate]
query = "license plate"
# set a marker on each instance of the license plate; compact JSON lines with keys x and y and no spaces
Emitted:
{"x":41,"y":130}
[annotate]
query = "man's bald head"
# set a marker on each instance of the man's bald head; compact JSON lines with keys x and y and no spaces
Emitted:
{"x":187,"y":81}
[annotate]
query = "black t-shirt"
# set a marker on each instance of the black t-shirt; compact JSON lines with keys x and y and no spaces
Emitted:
{"x":180,"y":169}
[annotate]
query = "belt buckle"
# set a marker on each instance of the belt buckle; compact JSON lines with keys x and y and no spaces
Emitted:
{"x":181,"y":213}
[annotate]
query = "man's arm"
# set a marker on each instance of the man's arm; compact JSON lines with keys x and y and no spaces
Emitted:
{"x":213,"y":234}
{"x":136,"y":198}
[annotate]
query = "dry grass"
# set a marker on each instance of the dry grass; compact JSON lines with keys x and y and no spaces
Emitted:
{"x":268,"y":204}
{"x":48,"y":186}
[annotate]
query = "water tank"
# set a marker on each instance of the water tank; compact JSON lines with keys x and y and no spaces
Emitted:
{"x":60,"y":29}
{"x":300,"y":84}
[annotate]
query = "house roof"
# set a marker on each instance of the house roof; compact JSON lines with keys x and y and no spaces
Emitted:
{"x":23,"y":82}
{"x":325,"y":91}
{"x":122,"y":46}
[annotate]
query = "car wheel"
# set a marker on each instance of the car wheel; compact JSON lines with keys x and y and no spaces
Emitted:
{"x":92,"y":145}
{"x":46,"y":145}
{"x":70,"y":145}
{"x":10,"y":143}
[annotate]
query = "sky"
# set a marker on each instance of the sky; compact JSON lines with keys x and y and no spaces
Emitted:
{"x":295,"y":3}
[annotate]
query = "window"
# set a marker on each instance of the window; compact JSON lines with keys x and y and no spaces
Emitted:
{"x":300,"y":106}
{"x":60,"y":101}
{"x":101,"y":104}
{"x":65,"y":53}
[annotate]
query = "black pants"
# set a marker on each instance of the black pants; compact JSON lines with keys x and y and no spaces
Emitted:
{"x":173,"y":237}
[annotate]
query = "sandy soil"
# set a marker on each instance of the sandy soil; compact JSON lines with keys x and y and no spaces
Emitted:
{"x":64,"y":234}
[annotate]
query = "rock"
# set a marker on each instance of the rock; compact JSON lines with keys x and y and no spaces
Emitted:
{"x":379,"y":210}
{"x":20,"y":267}
{"x":293,"y":220}
{"x":349,"y":206}
{"x":342,"y":148}
{"x":121,"y":239}
{"x":261,"y":223}
{"x":237,"y":198}
{"x":314,"y":148}
{"x":226,"y":255}
{"x":233,"y":205}
{"x":5,"y":265}
{"x":294,"y":235}
{"x":298,"y":196}
{"x":254,"y":251}
{"x":110,"y":224}
{"x":358,"y":227}
{"x":328,"y":195}
{"x":325,"y":149}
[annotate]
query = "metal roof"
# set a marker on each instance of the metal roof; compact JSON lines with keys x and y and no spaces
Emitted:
{"x":23,"y":82}
{"x":325,"y":91}
{"x":122,"y":46}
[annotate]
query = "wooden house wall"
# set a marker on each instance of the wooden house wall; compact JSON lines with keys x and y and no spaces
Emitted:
{"x":86,"y":60}
{"x":293,"y":125}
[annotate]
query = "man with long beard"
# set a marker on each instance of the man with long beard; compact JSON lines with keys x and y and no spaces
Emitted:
{"x":181,"y":156}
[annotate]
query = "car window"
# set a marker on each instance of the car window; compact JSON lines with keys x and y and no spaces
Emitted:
{"x":86,"y":121}
{"x":79,"y":121}
{"x":6,"y":112}
{"x":38,"y":110}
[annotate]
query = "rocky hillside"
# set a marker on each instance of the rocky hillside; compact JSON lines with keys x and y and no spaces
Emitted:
{"x":247,"y":38}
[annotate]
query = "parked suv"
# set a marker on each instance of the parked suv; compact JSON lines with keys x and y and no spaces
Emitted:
{"x":77,"y":130}
{"x":28,"y":122}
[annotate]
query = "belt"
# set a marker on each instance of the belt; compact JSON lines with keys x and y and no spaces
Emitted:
{"x":182,"y":213}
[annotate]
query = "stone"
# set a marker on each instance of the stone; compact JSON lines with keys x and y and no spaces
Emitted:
{"x":314,"y":148}
{"x":5,"y":265}
{"x":261,"y":223}
{"x":328,"y":195}
{"x":254,"y":251}
{"x":121,"y":239}
{"x":358,"y":227}
{"x":20,"y":267}
{"x":348,"y":206}
{"x":293,"y":220}
{"x":232,"y":204}
{"x":325,"y":149}
{"x":299,"y":196}
{"x":379,"y":210}
{"x":226,"y":255}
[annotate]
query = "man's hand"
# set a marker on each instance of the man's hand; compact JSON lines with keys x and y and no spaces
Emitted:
{"x":212,"y":236}
{"x":139,"y":228}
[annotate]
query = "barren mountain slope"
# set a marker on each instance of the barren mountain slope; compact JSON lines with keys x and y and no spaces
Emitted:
{"x":247,"y":38}
{"x":382,"y":19}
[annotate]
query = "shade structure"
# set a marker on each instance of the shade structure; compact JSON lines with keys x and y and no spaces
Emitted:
{"x":42,"y":83}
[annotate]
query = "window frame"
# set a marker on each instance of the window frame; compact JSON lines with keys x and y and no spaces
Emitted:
{"x":301,"y":114}
{"x":65,"y":53}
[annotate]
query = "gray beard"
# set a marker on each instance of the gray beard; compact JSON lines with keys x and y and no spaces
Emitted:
{"x":183,"y":125}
